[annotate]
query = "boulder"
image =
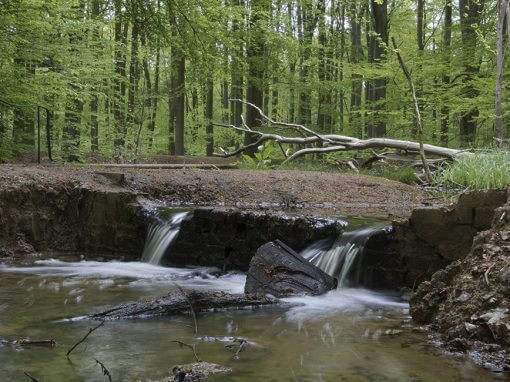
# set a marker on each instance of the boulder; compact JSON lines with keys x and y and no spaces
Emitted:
{"x":278,"y":270}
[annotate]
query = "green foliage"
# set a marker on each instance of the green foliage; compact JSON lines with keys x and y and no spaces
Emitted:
{"x":483,"y":170}
{"x":401,"y":174}
{"x":261,"y":159}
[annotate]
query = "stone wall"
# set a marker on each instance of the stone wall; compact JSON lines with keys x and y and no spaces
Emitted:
{"x":71,"y":219}
{"x":228,"y":238}
{"x":430,"y":240}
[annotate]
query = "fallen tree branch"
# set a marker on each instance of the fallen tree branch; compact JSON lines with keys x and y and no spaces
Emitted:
{"x":105,"y":371}
{"x":192,"y":347}
{"x":192,"y":310}
{"x":32,"y":378}
{"x":331,"y":142}
{"x":84,"y":338}
{"x":26,"y":341}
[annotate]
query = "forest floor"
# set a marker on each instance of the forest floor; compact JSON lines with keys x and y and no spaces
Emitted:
{"x":317,"y":192}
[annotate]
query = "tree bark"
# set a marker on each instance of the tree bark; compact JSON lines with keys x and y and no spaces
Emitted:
{"x":504,"y":9}
{"x":255,"y":55}
{"x":447,"y":42}
{"x":470,"y":11}
{"x":209,"y":128}
{"x":355,"y":120}
{"x":377,"y":94}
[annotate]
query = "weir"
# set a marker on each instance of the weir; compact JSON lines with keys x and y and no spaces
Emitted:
{"x":342,"y":259}
{"x":160,"y":236}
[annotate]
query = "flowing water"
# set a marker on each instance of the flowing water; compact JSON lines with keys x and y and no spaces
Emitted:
{"x":350,"y":334}
{"x":339,"y":259}
{"x":160,"y":236}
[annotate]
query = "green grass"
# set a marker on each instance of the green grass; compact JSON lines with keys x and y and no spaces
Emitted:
{"x":482,"y":170}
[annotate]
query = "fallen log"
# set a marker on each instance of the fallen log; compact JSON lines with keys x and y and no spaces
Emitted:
{"x":175,"y":303}
{"x":277,"y":270}
{"x":330,"y":142}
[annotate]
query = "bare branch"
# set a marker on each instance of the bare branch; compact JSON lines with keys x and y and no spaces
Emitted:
{"x":32,"y":378}
{"x":192,"y":347}
{"x":105,"y":371}
{"x":84,"y":338}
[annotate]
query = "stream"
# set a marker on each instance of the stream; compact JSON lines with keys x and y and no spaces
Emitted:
{"x":349,"y":334}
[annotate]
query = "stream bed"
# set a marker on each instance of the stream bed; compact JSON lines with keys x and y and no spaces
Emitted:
{"x":349,"y":334}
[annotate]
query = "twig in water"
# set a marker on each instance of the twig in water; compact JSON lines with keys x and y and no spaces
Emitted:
{"x":26,"y":341}
{"x":105,"y":371}
{"x":192,"y":347}
{"x":241,"y":342}
{"x":84,"y":338}
{"x":33,"y":379}
{"x":192,"y":311}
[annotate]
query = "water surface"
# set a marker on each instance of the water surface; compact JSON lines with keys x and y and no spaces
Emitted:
{"x":346,"y":335}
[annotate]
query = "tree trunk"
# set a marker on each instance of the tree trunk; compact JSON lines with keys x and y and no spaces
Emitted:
{"x":504,"y":9}
{"x":447,"y":42}
{"x":120,"y":72}
{"x":377,"y":95}
{"x":355,"y":120}
{"x":255,"y":55}
{"x":133,"y":66}
{"x":470,"y":11}
{"x":209,"y":129}
{"x":94,"y":103}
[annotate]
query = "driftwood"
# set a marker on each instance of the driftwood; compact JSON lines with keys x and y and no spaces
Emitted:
{"x":330,"y":142}
{"x":277,"y":270}
{"x":175,"y":303}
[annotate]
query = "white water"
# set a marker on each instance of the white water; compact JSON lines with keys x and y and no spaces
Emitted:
{"x":137,"y":274}
{"x":160,"y":236}
{"x":339,"y":259}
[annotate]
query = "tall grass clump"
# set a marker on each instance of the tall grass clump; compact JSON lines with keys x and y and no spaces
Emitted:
{"x":482,"y":170}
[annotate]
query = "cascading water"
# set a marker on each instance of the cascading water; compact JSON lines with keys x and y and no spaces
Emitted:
{"x":342,"y":259}
{"x":160,"y":236}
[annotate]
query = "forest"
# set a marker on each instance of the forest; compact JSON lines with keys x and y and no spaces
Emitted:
{"x":124,"y":78}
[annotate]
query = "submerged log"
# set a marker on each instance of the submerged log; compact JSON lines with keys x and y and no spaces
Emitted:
{"x":176,"y":303}
{"x":277,"y":270}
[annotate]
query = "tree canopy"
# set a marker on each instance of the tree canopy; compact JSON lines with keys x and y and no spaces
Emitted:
{"x":124,"y":78}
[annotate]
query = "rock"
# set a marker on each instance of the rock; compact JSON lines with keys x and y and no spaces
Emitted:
{"x":193,"y":372}
{"x":498,"y":322}
{"x":176,"y":303}
{"x":277,"y":270}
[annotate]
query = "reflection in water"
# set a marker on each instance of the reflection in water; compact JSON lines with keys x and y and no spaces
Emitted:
{"x":345,"y":335}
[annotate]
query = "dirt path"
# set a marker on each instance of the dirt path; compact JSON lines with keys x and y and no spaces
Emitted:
{"x":325,"y":193}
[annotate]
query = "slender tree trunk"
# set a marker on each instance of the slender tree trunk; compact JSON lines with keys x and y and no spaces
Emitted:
{"x":94,"y":103}
{"x":209,"y":129}
{"x":470,"y":11}
{"x":237,"y":81}
{"x":355,"y":120}
{"x":118,"y":84}
{"x":378,"y":95}
{"x":504,"y":10}
{"x":447,"y":42}
{"x":255,"y":58}
{"x":133,"y":66}
{"x":322,"y":117}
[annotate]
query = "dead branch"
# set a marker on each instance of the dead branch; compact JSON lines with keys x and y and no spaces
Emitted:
{"x":192,"y":347}
{"x":241,"y":342}
{"x":26,"y":341}
{"x":105,"y":371}
{"x":332,"y":142}
{"x":191,"y":309}
{"x":84,"y":338}
{"x":419,"y":122}
{"x":32,"y":378}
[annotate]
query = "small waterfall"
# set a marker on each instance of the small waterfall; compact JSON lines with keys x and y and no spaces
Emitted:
{"x":342,"y":259}
{"x":160,"y":236}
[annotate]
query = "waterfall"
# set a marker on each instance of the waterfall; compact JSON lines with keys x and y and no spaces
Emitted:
{"x":160,"y":236}
{"x":342,"y":259}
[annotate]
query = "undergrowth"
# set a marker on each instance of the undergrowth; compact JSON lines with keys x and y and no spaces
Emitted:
{"x":482,"y":170}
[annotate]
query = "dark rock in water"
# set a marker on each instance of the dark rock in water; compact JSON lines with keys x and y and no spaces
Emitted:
{"x":277,"y":270}
{"x":177,"y":303}
{"x":193,"y":372}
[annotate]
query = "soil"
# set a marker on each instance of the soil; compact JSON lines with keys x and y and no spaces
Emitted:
{"x":324,"y":193}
